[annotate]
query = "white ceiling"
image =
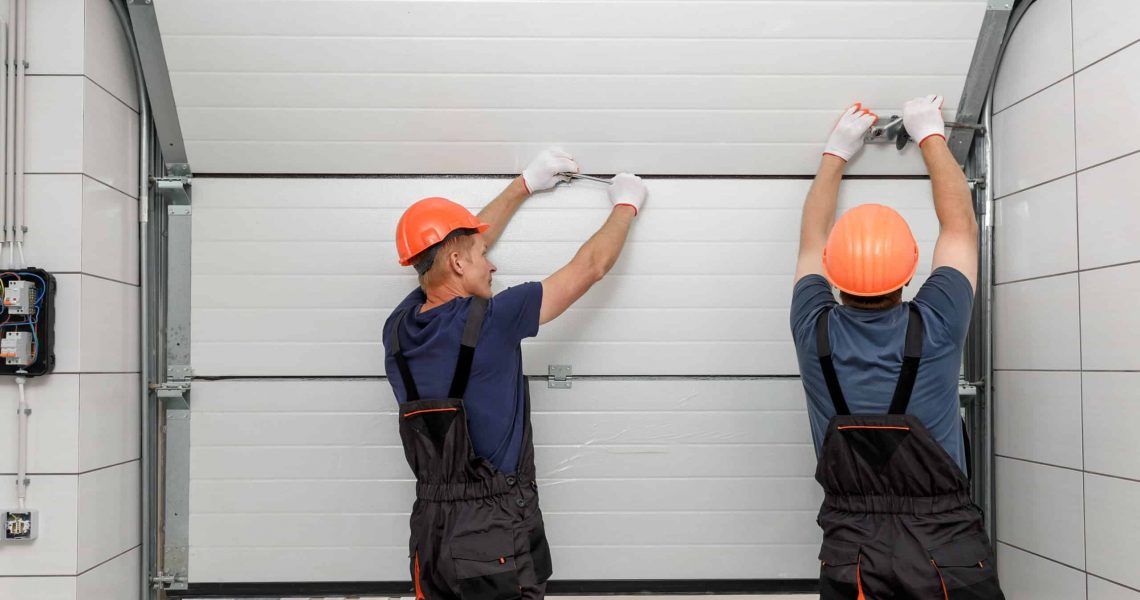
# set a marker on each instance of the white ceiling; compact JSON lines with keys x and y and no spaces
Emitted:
{"x":654,"y":87}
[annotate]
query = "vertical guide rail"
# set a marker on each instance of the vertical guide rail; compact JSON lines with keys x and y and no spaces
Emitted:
{"x":164,"y":212}
{"x":976,"y":156}
{"x":174,"y":392}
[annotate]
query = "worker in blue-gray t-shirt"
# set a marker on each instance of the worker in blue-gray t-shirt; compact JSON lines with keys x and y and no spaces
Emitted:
{"x":881,"y":379}
{"x":453,"y":358}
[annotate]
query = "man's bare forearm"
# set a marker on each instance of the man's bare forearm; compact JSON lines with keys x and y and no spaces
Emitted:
{"x":499,"y":212}
{"x":952,"y":200}
{"x":820,"y":205}
{"x":602,"y":250}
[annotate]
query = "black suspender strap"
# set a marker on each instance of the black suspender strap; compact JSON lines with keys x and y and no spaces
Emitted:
{"x":471,"y":331}
{"x":402,"y":362}
{"x":912,"y":355}
{"x":823,"y":348}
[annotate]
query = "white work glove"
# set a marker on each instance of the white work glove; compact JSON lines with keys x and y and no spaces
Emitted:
{"x":629,"y":190}
{"x":543,"y":172}
{"x":847,"y":137}
{"x":922,"y":118}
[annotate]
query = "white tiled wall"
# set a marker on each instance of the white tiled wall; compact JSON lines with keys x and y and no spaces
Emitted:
{"x":1041,"y":51}
{"x":82,"y":185}
{"x":1036,"y":231}
{"x":1027,"y":576}
{"x":1067,"y":264}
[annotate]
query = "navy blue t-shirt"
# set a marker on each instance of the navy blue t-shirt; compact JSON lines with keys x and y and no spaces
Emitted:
{"x":495,"y":395}
{"x":867,"y":348}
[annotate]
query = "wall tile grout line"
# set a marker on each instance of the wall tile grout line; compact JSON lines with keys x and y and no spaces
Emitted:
{"x":111,"y":94}
{"x":1080,"y":310}
{"x":127,"y":551}
{"x":1075,"y":469}
{"x":1073,"y":272}
{"x":1127,"y":587}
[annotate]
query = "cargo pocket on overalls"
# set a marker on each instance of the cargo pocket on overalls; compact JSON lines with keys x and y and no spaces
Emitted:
{"x":485,"y":566}
{"x":540,"y":553}
{"x":966,"y":569}
{"x":839,"y":571}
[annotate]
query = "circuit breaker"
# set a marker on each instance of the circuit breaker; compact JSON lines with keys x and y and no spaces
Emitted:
{"x":20,"y":297}
{"x":16,"y":348}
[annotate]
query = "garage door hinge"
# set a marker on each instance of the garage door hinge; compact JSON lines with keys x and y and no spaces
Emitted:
{"x":176,"y":188}
{"x":559,"y":376}
{"x":173,"y":392}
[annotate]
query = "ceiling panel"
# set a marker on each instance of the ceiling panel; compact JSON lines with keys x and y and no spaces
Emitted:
{"x":421,"y":87}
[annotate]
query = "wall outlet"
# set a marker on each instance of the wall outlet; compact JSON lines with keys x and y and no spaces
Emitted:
{"x":20,"y":525}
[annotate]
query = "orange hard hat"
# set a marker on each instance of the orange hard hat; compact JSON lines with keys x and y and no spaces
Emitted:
{"x":870,"y":252}
{"x":428,"y":222}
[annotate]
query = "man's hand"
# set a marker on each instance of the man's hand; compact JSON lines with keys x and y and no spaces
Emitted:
{"x":847,"y":137}
{"x":543,"y":172}
{"x":922,"y":118}
{"x":628,"y":190}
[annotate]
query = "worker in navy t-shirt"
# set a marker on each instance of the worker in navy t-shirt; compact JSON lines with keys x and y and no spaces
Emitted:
{"x":452,"y":349}
{"x":881,"y":379}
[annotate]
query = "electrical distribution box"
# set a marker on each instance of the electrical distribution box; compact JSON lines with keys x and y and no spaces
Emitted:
{"x":27,"y":322}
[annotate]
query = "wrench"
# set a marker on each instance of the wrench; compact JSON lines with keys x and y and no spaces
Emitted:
{"x":586,"y":177}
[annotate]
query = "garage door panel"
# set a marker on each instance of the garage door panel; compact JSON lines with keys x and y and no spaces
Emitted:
{"x":598,"y":324}
{"x":634,"y":427}
{"x":587,"y":19}
{"x":267,"y":564}
{"x":374,"y":395}
{"x":643,"y":396}
{"x":356,"y":359}
{"x":388,"y":563}
{"x":482,"y":90}
{"x":290,"y":496}
{"x":311,"y":193}
{"x":474,"y":158}
{"x":289,"y":474}
{"x":591,"y":56}
{"x":777,"y":561}
{"x":678,"y":494}
{"x":617,"y":461}
{"x":319,"y":530}
{"x":297,"y":494}
{"x":538,"y":225}
{"x":233,"y":292}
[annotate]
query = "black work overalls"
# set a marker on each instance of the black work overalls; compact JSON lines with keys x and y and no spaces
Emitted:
{"x":476,"y":533}
{"x":898,"y":522}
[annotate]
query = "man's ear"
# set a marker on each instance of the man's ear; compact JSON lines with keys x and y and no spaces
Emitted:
{"x":454,"y":263}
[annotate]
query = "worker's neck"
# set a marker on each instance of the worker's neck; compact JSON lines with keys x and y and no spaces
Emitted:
{"x":443,"y":293}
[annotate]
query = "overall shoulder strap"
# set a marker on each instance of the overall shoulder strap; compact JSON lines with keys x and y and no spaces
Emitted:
{"x":471,"y":330}
{"x":823,"y":349}
{"x":912,"y":356}
{"x":402,"y":362}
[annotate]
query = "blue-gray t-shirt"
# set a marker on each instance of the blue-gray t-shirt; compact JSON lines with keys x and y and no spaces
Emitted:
{"x":496,"y":390}
{"x":867,"y":348}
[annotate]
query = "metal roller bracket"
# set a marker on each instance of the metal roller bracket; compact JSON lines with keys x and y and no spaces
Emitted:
{"x":891,"y":129}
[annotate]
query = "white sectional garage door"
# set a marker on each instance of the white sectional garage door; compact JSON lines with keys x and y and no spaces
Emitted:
{"x":683,"y":452}
{"x":667,"y":87}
